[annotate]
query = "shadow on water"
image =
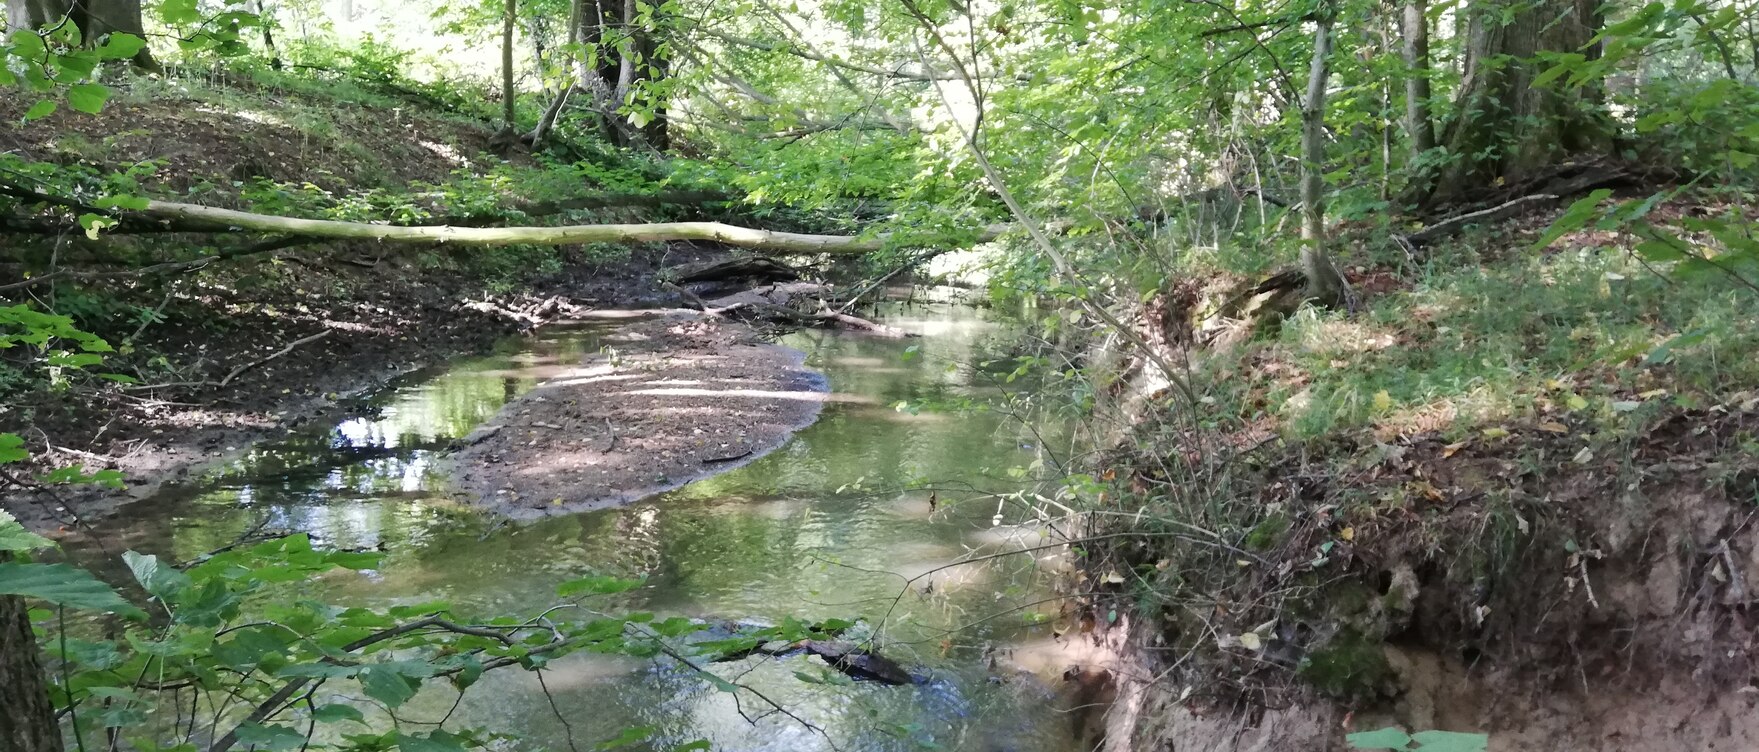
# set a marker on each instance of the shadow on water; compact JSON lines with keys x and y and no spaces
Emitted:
{"x":823,"y":527}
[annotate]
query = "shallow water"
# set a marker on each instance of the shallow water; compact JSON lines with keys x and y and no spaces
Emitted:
{"x":822,"y":527}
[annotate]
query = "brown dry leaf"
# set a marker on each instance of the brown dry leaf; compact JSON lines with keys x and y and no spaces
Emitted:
{"x":1452,"y":449}
{"x":1554,"y":427}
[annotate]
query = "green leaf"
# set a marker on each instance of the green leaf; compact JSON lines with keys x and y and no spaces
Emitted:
{"x":121,"y":201}
{"x":88,"y":98}
{"x":630,"y":735}
{"x":13,"y":536}
{"x":41,"y":109}
{"x":161,"y":581}
{"x":93,"y":223}
{"x":1659,"y":250}
{"x":337,"y":713}
{"x":179,"y":12}
{"x":64,"y":585}
{"x":1664,"y":351}
{"x":1451,"y":741}
{"x":274,"y":738}
{"x":121,"y":46}
{"x":383,"y":682}
{"x":437,"y":741}
{"x":12,"y":448}
{"x":1573,"y":218}
{"x":1386,"y":738}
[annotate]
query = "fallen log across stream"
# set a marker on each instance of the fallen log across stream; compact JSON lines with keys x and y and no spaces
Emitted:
{"x":732,"y":235}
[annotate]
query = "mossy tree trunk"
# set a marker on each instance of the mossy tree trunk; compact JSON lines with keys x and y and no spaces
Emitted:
{"x":1505,"y":128}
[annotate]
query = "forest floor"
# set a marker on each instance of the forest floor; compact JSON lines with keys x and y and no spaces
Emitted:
{"x":223,"y":356}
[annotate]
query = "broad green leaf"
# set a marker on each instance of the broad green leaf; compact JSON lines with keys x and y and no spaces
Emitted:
{"x":121,"y":201}
{"x":41,"y":109}
{"x":1659,"y":250}
{"x":1573,"y":218}
{"x":1664,"y":351}
{"x":88,"y":98}
{"x":179,"y":12}
{"x":383,"y":682}
{"x":12,"y":448}
{"x":272,"y":738}
{"x":13,"y":536}
{"x":121,"y":46}
{"x":630,"y":735}
{"x":437,"y":741}
{"x":64,"y":585}
{"x":337,"y":713}
{"x":157,"y":579}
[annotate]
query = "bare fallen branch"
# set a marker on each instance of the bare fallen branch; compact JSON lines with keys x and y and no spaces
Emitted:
{"x":278,"y":353}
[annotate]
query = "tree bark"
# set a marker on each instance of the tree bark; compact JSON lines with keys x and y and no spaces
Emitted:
{"x":1418,"y":125}
{"x":733,"y":235}
{"x":27,"y":718}
{"x":1323,"y":282}
{"x":1505,"y":127}
{"x":508,"y":95}
{"x":95,"y":19}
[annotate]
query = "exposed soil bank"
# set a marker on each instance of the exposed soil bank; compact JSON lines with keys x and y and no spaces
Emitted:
{"x":1616,"y":614}
{"x":669,"y":400}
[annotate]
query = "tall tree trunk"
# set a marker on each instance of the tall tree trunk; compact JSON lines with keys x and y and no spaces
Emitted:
{"x":577,"y":39}
{"x":1418,"y":126}
{"x":1324,"y":285}
{"x":27,"y":719}
{"x":1505,"y":128}
{"x":657,"y":132}
{"x":268,"y":34}
{"x":508,"y":133}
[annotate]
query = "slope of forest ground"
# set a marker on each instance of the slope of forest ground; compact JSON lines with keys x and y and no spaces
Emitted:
{"x":1512,"y":491}
{"x":332,"y":148}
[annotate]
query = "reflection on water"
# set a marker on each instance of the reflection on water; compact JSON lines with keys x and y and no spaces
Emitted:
{"x":822,"y":527}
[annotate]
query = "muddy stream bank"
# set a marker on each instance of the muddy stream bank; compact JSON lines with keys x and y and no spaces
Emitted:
{"x":820,"y":527}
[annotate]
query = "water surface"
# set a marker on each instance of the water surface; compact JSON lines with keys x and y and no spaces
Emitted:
{"x":829,"y":525}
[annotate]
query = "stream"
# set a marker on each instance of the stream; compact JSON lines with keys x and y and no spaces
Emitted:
{"x":822,"y":527}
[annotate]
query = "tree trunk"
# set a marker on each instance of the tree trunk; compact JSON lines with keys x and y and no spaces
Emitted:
{"x":744,"y":237}
{"x":508,"y":135}
{"x":1324,"y":285}
{"x":1504,"y":127}
{"x":95,"y":18}
{"x":27,"y":719}
{"x":657,"y":132}
{"x":1418,"y":126}
{"x":268,"y":34}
